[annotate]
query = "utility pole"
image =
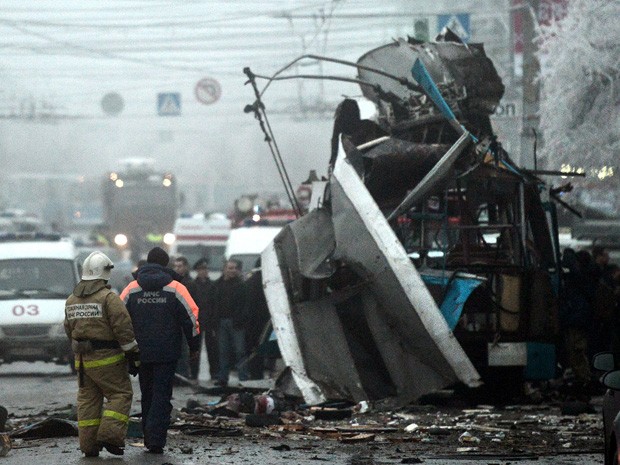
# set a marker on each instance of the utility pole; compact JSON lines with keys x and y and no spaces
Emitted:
{"x":530,"y":84}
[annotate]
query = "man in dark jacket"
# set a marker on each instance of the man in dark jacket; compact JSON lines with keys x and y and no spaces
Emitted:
{"x":576,"y":318}
{"x":230,"y":302}
{"x":161,"y":310}
{"x":206,"y":315}
{"x":257,"y":319}
{"x":186,"y":368}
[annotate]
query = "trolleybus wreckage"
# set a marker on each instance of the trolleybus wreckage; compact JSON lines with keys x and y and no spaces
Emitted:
{"x":431,"y":258}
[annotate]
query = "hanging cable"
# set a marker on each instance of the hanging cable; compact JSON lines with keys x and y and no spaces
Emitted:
{"x":258,"y":108}
{"x":403,"y":81}
{"x":318,"y":76}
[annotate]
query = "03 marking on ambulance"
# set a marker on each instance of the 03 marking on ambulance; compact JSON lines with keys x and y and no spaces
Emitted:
{"x":21,"y":310}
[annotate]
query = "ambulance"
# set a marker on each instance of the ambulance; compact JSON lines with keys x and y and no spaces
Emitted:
{"x":37,"y":274}
{"x":202,"y":236}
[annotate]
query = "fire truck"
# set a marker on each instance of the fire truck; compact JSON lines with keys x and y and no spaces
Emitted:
{"x":261,"y":210}
{"x":140,"y":206}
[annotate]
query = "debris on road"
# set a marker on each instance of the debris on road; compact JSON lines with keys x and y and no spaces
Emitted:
{"x":513,"y":429}
{"x":5,"y":444}
{"x":48,"y":428}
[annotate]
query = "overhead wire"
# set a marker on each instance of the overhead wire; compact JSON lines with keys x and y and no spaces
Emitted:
{"x":190,"y":53}
{"x":102,"y":53}
{"x":227,"y":18}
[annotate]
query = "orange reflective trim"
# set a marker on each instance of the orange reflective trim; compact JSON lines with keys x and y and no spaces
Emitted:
{"x":130,"y":289}
{"x":181,"y":293}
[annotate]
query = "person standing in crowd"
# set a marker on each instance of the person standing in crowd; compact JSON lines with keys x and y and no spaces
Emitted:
{"x":604,"y":301}
{"x":162,"y":311}
{"x":206,"y":317}
{"x":600,"y":257}
{"x":230,"y":302}
{"x":576,"y":319}
{"x":181,"y":267}
{"x":102,"y":339}
{"x":257,"y":319}
{"x":615,"y":318}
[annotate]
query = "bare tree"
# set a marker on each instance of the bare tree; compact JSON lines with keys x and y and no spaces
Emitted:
{"x":580,"y":75}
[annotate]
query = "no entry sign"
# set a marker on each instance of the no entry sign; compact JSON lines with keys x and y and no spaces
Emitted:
{"x":208,"y":91}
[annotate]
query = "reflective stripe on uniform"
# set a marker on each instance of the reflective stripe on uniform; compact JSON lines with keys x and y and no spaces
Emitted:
{"x":93,"y":422}
{"x":129,"y":346}
{"x":101,"y":363}
{"x":116,"y":415}
{"x":131,"y":288}
{"x":183,"y":296}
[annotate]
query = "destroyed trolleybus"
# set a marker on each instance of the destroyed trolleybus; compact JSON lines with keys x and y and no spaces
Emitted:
{"x":433,"y":257}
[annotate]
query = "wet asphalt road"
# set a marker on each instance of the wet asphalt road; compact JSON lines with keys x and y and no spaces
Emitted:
{"x":242,"y":451}
{"x":29,"y":389}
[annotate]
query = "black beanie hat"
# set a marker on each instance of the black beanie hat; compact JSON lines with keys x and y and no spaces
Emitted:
{"x":159,"y":256}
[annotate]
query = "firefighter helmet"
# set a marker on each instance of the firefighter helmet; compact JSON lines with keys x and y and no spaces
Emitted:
{"x":97,"y":266}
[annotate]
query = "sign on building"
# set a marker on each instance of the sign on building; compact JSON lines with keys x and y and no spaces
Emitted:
{"x":458,"y":23}
{"x":508,"y":109}
{"x":169,"y":104}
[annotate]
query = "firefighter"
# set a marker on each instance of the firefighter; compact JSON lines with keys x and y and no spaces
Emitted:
{"x":105,"y":349}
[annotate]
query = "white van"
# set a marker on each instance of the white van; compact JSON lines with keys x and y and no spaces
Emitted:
{"x":247,"y":243}
{"x":37,"y":274}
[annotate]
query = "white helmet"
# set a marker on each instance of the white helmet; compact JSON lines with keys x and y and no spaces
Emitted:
{"x":97,"y":266}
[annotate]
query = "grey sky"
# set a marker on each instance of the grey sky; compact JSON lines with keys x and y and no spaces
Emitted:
{"x":63,"y":56}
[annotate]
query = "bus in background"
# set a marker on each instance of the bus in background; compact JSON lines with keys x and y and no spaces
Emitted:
{"x":140,"y":206}
{"x":202,"y":236}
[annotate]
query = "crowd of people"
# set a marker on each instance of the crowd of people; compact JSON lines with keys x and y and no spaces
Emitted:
{"x":589,"y":313}
{"x":232,"y":313}
{"x":233,"y":317}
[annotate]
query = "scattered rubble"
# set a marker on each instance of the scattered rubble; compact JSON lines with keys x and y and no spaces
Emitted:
{"x":514,"y":430}
{"x":484,"y":432}
{"x":49,"y":428}
{"x":408,"y":434}
{"x":5,"y":444}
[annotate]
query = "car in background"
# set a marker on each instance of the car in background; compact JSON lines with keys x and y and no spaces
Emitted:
{"x":604,"y":362}
{"x":37,"y":274}
{"x":246,"y":244}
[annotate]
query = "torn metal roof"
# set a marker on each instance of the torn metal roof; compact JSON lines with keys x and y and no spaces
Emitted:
{"x":359,"y":305}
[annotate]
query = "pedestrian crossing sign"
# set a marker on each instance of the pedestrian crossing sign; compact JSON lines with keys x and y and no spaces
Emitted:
{"x":457,"y":23}
{"x":169,"y":104}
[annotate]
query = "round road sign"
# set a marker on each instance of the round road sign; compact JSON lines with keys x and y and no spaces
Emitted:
{"x":112,"y":103}
{"x":208,"y":91}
